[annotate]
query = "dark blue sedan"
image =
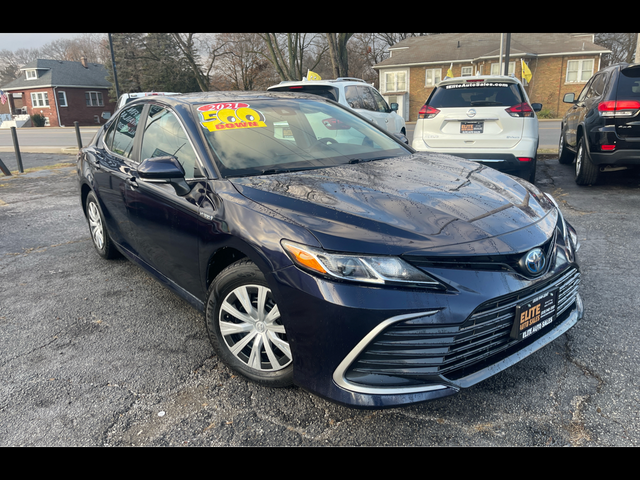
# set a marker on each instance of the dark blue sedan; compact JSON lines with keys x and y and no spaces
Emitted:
{"x":325,"y":252}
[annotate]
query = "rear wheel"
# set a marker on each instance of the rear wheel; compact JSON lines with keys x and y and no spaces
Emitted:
{"x":99,"y":234}
{"x":586,"y":172}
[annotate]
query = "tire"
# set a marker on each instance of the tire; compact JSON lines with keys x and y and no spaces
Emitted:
{"x":98,"y":229}
{"x":565,"y":156}
{"x":532,"y":175}
{"x":586,"y":172}
{"x":245,"y":327}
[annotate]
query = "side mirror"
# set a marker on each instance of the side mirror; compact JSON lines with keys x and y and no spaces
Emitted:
{"x":569,"y":98}
{"x":536,"y":107}
{"x":402,"y":138}
{"x":394,"y":107}
{"x":164,"y":170}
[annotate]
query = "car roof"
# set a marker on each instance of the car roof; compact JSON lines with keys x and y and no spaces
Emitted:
{"x":197,"y":98}
{"x":486,"y":78}
{"x":341,"y":80}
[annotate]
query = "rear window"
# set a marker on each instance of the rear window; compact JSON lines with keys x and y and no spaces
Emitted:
{"x":481,"y":94}
{"x":629,"y":83}
{"x":325,"y":91}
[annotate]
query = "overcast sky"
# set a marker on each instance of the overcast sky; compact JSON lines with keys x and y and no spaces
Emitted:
{"x":14,"y":41}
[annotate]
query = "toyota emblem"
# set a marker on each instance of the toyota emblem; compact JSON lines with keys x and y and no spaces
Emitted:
{"x":535,"y":261}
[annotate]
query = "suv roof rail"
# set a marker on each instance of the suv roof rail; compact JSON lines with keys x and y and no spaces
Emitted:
{"x":349,"y":79}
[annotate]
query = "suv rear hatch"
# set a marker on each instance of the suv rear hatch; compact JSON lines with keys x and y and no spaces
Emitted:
{"x":475,"y":114}
{"x":627,"y":107}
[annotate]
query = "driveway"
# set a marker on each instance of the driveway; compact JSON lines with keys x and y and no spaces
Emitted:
{"x":96,"y":353}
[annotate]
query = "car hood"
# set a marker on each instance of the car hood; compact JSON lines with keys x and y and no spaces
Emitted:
{"x":410,"y":204}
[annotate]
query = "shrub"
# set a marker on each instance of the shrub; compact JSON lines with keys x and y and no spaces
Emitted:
{"x":38,"y":120}
{"x":546,"y":113}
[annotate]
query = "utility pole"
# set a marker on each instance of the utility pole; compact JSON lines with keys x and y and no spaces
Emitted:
{"x":113,"y":62}
{"x":506,"y":55}
{"x":637,"y":57}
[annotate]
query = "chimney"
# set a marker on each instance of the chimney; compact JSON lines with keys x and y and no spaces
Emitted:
{"x":84,"y":62}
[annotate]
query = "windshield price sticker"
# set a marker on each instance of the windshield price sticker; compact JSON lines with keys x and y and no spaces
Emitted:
{"x":230,"y":116}
{"x":535,"y":315}
{"x":471,"y":127}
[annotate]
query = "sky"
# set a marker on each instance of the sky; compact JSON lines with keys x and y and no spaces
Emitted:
{"x":14,"y":41}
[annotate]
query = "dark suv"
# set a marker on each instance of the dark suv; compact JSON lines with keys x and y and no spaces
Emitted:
{"x":602,"y":128}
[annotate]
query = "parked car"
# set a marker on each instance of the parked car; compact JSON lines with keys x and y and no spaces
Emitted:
{"x":486,"y":119}
{"x":128,"y":97}
{"x":601,"y":131}
{"x":355,"y":94}
{"x":359,"y":270}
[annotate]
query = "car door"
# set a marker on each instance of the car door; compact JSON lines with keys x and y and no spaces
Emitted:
{"x":369,"y":103}
{"x":576,"y":114}
{"x":166,"y":224}
{"x":111,"y":163}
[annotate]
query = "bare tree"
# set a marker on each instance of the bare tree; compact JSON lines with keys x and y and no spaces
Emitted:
{"x":244,"y":65}
{"x":191,"y":50}
{"x":338,"y":53}
{"x":291,"y":54}
{"x":11,"y":61}
{"x":622,"y":46}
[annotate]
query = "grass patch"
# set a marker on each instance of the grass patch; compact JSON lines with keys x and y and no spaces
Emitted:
{"x":44,"y":167}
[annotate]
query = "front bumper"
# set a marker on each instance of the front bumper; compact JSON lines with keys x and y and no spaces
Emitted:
{"x":371,"y":347}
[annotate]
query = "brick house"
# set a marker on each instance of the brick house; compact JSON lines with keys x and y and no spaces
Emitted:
{"x":64,"y":92}
{"x":559,"y":62}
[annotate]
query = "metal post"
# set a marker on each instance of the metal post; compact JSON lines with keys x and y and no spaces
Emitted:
{"x":17,"y":149}
{"x":4,"y":169}
{"x":78,"y":137}
{"x":115,"y":74}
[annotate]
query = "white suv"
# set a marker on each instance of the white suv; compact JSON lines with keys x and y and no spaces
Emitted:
{"x":487,"y":119}
{"x":355,"y":94}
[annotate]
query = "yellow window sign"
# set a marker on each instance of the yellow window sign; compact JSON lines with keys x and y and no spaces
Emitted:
{"x":230,"y":116}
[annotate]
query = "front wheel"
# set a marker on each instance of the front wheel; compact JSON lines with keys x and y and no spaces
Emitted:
{"x":245,"y":327}
{"x":565,"y":156}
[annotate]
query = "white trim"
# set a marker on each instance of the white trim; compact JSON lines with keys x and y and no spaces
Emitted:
{"x":99,"y":98}
{"x":579,"y":70}
{"x":44,"y":99}
{"x":64,"y":94}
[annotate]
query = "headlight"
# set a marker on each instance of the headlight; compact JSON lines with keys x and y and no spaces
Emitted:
{"x":568,"y":232}
{"x":358,"y":268}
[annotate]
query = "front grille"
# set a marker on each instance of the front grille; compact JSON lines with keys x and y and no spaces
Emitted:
{"x":413,"y":352}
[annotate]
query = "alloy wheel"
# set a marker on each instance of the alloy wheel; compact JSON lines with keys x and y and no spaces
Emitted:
{"x":250,"y":324}
{"x":95,"y":224}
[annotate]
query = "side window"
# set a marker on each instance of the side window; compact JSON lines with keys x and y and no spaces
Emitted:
{"x":119,"y":138}
{"x":353,"y":97}
{"x":368,"y":102}
{"x":163,"y":135}
{"x":597,"y":86}
{"x":381,"y":103}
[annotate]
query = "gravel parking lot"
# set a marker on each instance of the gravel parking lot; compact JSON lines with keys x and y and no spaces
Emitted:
{"x":96,"y":353}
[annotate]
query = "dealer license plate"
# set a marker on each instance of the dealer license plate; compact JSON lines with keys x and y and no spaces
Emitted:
{"x":535,"y":315}
{"x":471,"y":127}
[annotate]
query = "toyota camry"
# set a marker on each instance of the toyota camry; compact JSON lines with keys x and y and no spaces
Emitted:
{"x":326,"y":253}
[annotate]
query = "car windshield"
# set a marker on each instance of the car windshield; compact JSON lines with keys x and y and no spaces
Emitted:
{"x":480,"y":94}
{"x":265,"y":136}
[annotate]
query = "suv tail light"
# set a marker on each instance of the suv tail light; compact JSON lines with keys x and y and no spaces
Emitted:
{"x":619,"y":108}
{"x":520,"y":110}
{"x":428,"y":112}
